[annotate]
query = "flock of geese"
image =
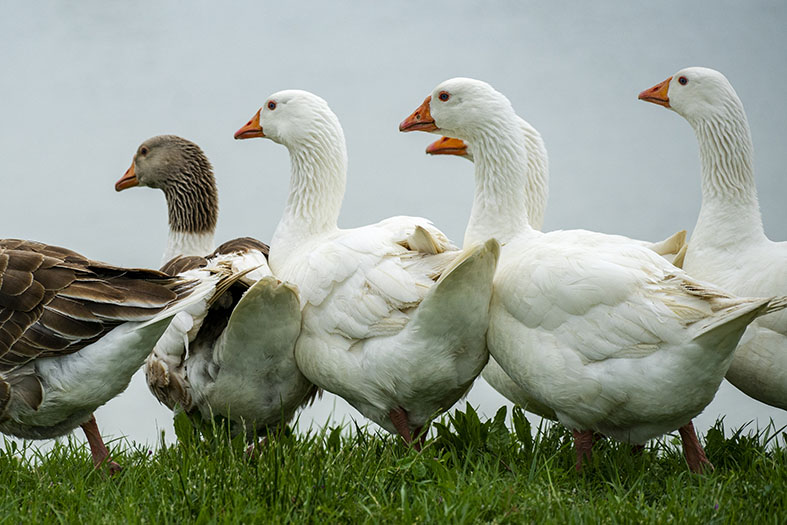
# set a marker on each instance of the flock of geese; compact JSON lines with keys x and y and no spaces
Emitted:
{"x":603,"y":333}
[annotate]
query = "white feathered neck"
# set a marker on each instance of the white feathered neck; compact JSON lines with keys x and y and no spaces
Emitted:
{"x":500,"y":204}
{"x":730,"y":210}
{"x":318,"y":164}
{"x":188,"y":243}
{"x":537,"y":191}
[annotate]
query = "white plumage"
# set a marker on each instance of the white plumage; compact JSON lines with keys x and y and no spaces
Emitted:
{"x":536,"y":178}
{"x":603,"y":331}
{"x":394,"y":317}
{"x":728,"y":245}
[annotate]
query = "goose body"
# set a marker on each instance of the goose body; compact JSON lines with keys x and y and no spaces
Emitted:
{"x":235,"y":358}
{"x":612,"y":333}
{"x":728,"y":245}
{"x":600,"y":329}
{"x":74,"y":331}
{"x":394,"y":317}
{"x":536,"y":192}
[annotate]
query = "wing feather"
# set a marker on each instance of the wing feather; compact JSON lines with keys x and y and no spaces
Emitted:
{"x":367,"y":280}
{"x":55,"y":301}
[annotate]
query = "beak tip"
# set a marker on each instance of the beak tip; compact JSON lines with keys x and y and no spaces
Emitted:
{"x":128,"y":180}
{"x":252,"y":128}
{"x":658,"y":94}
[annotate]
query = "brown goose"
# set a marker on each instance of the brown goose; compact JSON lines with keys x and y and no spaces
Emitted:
{"x":235,"y":360}
{"x":73,"y":332}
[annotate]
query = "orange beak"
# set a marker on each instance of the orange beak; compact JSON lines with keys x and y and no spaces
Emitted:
{"x":657,"y":94}
{"x":252,"y":128}
{"x":128,"y":180}
{"x":420,"y":120}
{"x":447,"y":146}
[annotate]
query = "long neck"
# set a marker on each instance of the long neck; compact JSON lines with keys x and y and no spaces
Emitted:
{"x":730,"y":209}
{"x":193,"y":212}
{"x":187,"y":243}
{"x":317,"y":182}
{"x":500,"y":204}
{"x":537,"y":187}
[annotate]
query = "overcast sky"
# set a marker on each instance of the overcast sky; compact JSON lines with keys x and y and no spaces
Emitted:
{"x":82,"y":84}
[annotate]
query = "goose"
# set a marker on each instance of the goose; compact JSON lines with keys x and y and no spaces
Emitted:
{"x":235,"y":360}
{"x":728,"y":245}
{"x":394,"y":317}
{"x":536,"y":192}
{"x":602,"y":330}
{"x":73,"y":331}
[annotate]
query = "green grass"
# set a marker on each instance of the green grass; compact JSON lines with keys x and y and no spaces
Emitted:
{"x":471,"y":471}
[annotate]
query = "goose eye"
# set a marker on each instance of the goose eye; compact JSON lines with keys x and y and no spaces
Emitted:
{"x":271,"y":105}
{"x":443,"y":96}
{"x":683,"y":81}
{"x":143,"y":151}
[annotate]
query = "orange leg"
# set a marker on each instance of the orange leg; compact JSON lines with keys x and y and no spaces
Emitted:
{"x":695,"y":455}
{"x":97,"y":448}
{"x":399,"y":419}
{"x":583,"y":443}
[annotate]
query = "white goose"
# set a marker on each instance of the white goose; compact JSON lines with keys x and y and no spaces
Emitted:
{"x":602,"y":330}
{"x":393,"y":317}
{"x":728,"y":246}
{"x":536,"y":192}
{"x":73,"y":332}
{"x":237,"y":359}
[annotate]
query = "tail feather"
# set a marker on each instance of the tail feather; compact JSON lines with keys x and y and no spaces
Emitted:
{"x":671,"y":245}
{"x":776,"y":304}
{"x":205,"y":284}
{"x":462,"y":293}
{"x":680,"y":257}
{"x":422,"y":241}
{"x":168,"y":387}
{"x":733,"y":320}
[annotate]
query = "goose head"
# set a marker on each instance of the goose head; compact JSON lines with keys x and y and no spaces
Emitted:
{"x":292,"y":118}
{"x":180,"y":169}
{"x":708,"y":102}
{"x":695,"y":93}
{"x":167,"y":162}
{"x":473,"y":111}
{"x":450,"y":146}
{"x":306,"y":126}
{"x":461,"y":107}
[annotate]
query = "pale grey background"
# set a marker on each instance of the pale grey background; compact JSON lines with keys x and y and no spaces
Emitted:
{"x":82,"y":84}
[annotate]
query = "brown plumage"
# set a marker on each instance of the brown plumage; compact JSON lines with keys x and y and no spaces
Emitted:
{"x":180,"y":169}
{"x":54,"y":301}
{"x":240,"y":245}
{"x":243,"y":245}
{"x":183,"y":263}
